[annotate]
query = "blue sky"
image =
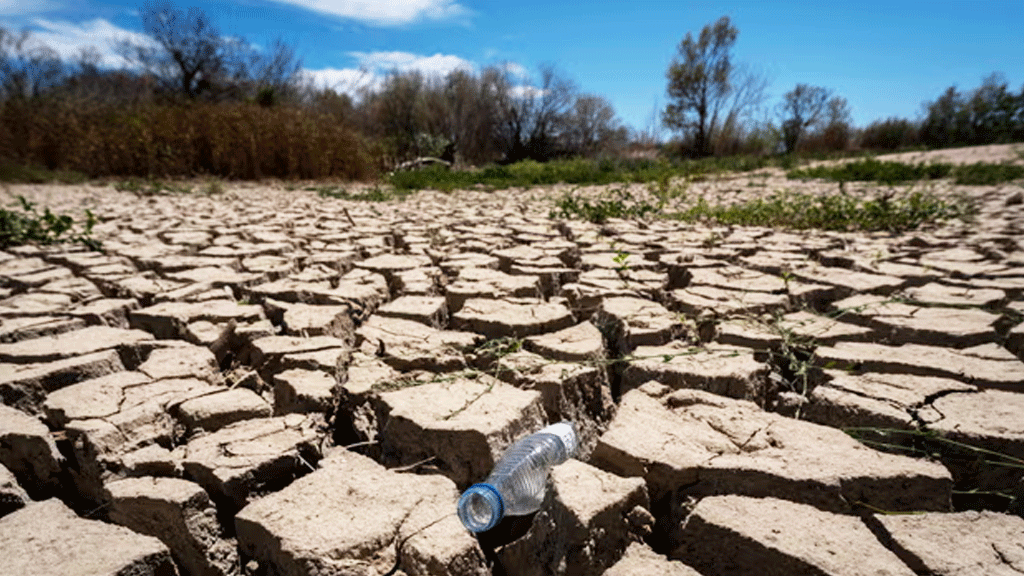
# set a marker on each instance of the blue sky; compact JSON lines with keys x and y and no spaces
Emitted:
{"x":884,"y":57}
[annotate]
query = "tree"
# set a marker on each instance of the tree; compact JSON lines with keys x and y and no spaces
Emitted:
{"x":27,"y":69}
{"x":592,"y":128}
{"x":188,"y":56}
{"x":533,"y":116}
{"x":700,"y":82}
{"x":801,"y":108}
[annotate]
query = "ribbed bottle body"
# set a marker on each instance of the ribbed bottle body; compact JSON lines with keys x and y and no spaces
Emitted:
{"x":522,"y":472}
{"x":516,"y":485}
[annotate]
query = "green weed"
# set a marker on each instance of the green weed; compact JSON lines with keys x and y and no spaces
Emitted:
{"x":617,"y":204}
{"x":26,"y":225}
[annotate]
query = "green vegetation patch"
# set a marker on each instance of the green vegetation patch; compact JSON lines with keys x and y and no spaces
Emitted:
{"x":988,"y":174}
{"x":872,"y":170}
{"x":579,"y":171}
{"x":838,"y":212}
{"x":25,"y":225}
{"x":617,"y":204}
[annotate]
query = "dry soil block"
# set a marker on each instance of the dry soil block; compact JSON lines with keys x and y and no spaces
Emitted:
{"x":251,"y":456}
{"x":632,"y":322}
{"x":583,"y":527}
{"x":410,"y":345}
{"x":353,"y":516}
{"x":876,"y":400}
{"x":991,"y":420}
{"x":181,"y":515}
{"x":25,"y":386}
{"x":274,"y":354}
{"x":692,"y":443}
{"x":215,"y":410}
{"x":580,"y":343}
{"x":639,"y":560}
{"x":505,"y":319}
{"x":48,"y":539}
{"x":961,"y":544}
{"x":724,"y":370}
{"x":898,"y":323}
{"x":573,"y":392}
{"x":738,"y":536}
{"x":12,"y":495}
{"x":71,"y":344}
{"x":463,"y":424}
{"x":28,"y":452}
{"x":987,"y":366}
{"x":169,"y":319}
{"x":303,"y":391}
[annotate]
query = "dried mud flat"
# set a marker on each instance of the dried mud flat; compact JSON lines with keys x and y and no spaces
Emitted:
{"x":270,"y":382}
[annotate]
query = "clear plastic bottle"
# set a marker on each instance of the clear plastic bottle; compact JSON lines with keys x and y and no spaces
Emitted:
{"x":516,"y":485}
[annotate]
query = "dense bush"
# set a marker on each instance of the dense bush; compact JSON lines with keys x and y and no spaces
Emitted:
{"x":890,"y":134}
{"x":231,"y":140}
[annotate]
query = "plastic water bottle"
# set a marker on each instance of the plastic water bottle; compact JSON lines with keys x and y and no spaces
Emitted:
{"x":516,"y":485}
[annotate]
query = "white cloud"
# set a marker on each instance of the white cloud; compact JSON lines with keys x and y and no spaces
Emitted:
{"x":516,"y":70}
{"x":526,"y":91}
{"x":347,"y":80}
{"x":68,"y":38}
{"x":374,"y":66}
{"x":385,"y":12}
{"x":438,"y":64}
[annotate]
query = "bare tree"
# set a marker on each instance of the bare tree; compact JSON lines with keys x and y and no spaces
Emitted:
{"x":700,"y":81}
{"x":533,"y":115}
{"x":27,"y":69}
{"x":801,"y":108}
{"x":188,"y":56}
{"x":592,"y":128}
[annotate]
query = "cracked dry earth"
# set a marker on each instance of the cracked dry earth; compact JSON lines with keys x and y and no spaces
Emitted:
{"x":269,"y":382}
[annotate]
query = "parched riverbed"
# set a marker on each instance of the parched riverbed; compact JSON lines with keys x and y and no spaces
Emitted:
{"x":270,"y":381}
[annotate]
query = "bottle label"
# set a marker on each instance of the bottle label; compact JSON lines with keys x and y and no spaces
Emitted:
{"x":567,"y":434}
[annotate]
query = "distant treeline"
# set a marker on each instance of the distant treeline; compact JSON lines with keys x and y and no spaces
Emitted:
{"x":194,"y":102}
{"x":989,"y":114}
